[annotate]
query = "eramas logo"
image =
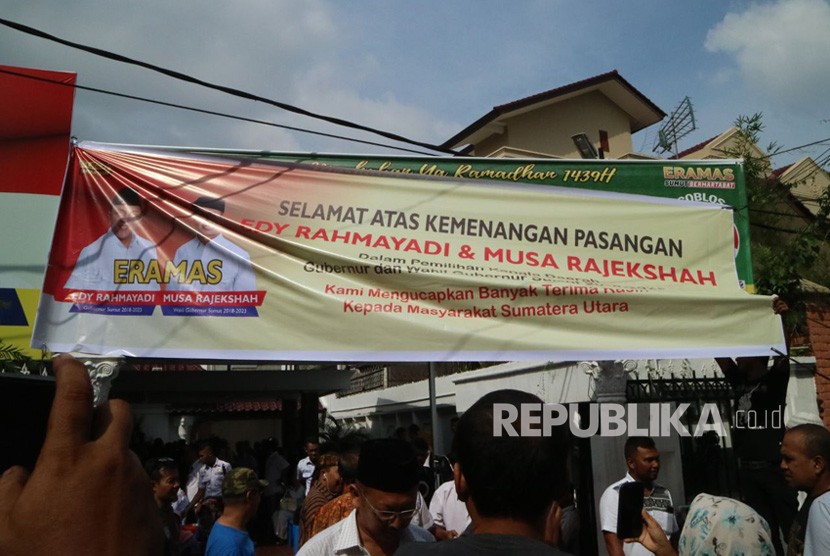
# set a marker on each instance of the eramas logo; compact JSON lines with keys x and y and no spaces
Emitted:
{"x":698,"y":173}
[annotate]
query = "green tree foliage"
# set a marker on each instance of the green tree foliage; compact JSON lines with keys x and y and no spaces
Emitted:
{"x":340,"y":437}
{"x":787,"y":244}
{"x":14,"y":360}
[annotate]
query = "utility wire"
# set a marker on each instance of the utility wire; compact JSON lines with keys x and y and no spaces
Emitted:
{"x":819,"y":167}
{"x":777,"y":213}
{"x":783,"y":230}
{"x":209,"y":112}
{"x":228,"y":90}
{"x":800,"y":364}
{"x":250,"y":96}
{"x":776,"y":153}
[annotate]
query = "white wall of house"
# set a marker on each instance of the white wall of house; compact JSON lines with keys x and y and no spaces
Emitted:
{"x":156,"y":421}
{"x":250,"y":426}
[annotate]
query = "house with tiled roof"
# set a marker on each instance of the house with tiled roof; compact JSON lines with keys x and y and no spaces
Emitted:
{"x":606,"y":107}
{"x":808,"y":180}
{"x":717,"y":147}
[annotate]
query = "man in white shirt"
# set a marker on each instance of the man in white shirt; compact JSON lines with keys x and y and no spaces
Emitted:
{"x":211,"y":474}
{"x":104,"y":264}
{"x":305,"y":467}
{"x":643,"y":462}
{"x":224,"y":265}
{"x":385,"y":495}
{"x":423,"y":517}
{"x":448,"y":512}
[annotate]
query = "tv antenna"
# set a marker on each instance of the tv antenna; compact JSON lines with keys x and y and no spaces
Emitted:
{"x":681,"y":122}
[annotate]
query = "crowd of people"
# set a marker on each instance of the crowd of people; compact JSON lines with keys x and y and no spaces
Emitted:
{"x":508,"y":494}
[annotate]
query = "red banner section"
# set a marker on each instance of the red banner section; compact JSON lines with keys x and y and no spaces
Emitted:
{"x":35,"y":118}
{"x":35,"y":121}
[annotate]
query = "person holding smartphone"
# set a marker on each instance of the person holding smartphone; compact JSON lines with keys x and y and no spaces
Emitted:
{"x":643,"y":462}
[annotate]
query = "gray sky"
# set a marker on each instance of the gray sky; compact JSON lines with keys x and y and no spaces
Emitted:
{"x":426,"y":69}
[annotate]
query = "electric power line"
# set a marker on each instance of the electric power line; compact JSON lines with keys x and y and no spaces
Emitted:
{"x":776,"y":213}
{"x":822,"y":159}
{"x":782,"y":230}
{"x":250,"y":96}
{"x":209,"y":112}
{"x":228,"y":90}
{"x":800,"y":364}
{"x":776,"y":153}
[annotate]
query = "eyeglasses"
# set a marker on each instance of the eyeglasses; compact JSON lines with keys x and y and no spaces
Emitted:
{"x":388,"y":516}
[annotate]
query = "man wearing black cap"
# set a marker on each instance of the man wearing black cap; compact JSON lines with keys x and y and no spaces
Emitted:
{"x":385,"y":496}
{"x":225,"y":265}
{"x":95,"y":268}
{"x":241,"y":493}
{"x":509,"y":483}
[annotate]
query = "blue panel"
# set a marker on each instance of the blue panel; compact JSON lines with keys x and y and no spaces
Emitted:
{"x":11,"y":310}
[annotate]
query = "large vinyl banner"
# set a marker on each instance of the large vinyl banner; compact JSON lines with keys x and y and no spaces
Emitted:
{"x":162,"y":254}
{"x":711,"y":181}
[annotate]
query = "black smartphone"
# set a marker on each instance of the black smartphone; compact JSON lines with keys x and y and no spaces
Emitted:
{"x":629,"y":509}
{"x":25,"y":403}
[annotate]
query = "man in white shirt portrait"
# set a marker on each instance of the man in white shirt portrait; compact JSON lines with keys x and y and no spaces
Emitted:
{"x":643,"y":462}
{"x":105,"y":263}
{"x":305,"y":467}
{"x":448,"y":512}
{"x":225,"y":265}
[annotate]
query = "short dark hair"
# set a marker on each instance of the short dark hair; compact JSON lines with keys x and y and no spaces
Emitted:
{"x":388,"y":464}
{"x":420,"y":445}
{"x":155,"y":465}
{"x":210,"y":443}
{"x":816,"y":440}
{"x":634,"y":442}
{"x":326,"y":461}
{"x":510,"y":476}
{"x":127,"y":196}
{"x":348,"y":466}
